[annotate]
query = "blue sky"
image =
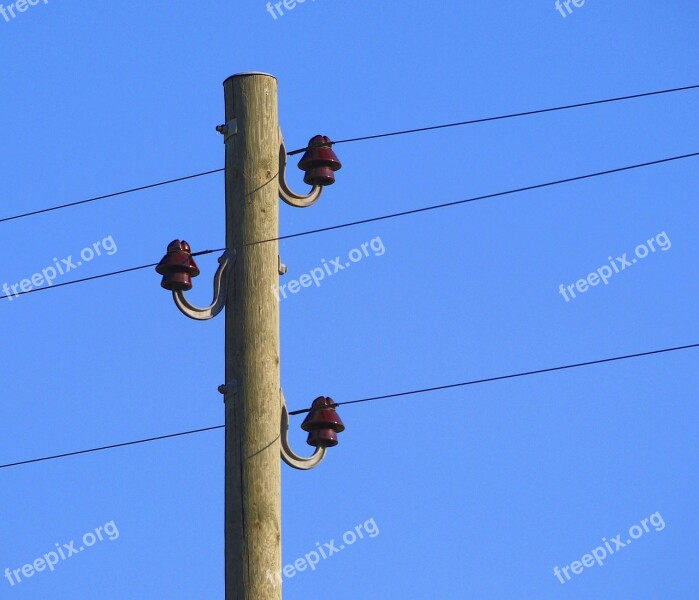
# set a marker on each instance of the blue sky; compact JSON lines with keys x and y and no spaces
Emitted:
{"x":476,"y":492}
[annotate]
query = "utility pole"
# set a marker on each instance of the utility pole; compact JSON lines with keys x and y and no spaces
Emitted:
{"x":252,"y":389}
{"x":257,"y":419}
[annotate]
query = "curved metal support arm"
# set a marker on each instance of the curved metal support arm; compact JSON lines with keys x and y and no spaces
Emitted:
{"x":288,"y":455}
{"x":285,"y":192}
{"x":219,"y":301}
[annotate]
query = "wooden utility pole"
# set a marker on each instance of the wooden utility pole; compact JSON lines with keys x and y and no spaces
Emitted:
{"x":244,"y":284}
{"x":252,"y":388}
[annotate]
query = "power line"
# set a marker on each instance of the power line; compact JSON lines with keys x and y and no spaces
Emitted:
{"x":503,"y":377}
{"x":57,"y":285}
{"x":389,"y":216}
{"x":123,"y":444}
{"x":357,"y":139}
{"x":501,"y":117}
{"x":485,"y":197}
{"x":112,"y":195}
{"x":370,"y":399}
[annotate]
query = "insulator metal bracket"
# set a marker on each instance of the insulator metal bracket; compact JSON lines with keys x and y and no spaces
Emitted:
{"x":219,"y":301}
{"x":285,"y":192}
{"x":288,"y":455}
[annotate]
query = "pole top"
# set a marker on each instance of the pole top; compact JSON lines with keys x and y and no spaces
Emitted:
{"x":247,"y":73}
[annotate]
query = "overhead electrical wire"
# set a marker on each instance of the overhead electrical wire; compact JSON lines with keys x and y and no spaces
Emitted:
{"x":112,"y":195}
{"x":364,"y":138}
{"x":476,"y":198}
{"x":121,"y":445}
{"x":502,"y":117}
{"x":503,"y":377}
{"x":384,"y":217}
{"x":130,"y":270}
{"x":369,"y":399}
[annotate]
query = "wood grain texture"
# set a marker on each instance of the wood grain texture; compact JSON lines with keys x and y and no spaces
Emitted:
{"x":253,"y":412}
